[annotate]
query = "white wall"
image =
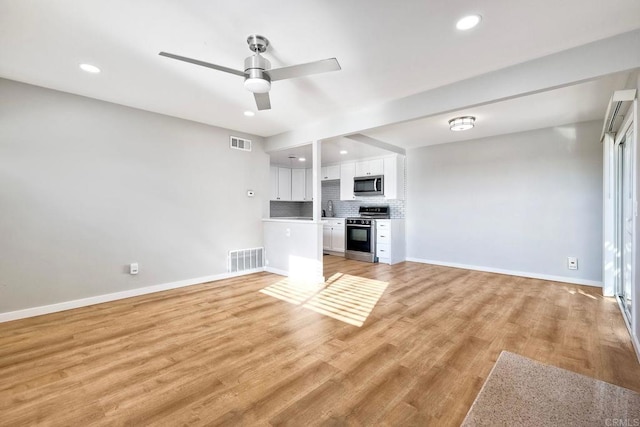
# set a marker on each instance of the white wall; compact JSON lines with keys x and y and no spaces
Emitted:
{"x":87,"y":187}
{"x":294,"y":249}
{"x":521,"y":202}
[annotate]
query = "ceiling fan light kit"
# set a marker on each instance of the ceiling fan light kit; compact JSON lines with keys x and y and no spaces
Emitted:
{"x":462,"y":123}
{"x":258,"y":74}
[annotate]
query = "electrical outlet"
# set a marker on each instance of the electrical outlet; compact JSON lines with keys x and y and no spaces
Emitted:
{"x":572,"y":263}
{"x":133,"y":268}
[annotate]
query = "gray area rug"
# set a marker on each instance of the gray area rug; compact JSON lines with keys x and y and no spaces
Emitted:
{"x":521,"y":391}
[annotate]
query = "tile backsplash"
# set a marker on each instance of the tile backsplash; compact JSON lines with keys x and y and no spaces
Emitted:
{"x":348,"y":208}
{"x":341,"y":208}
{"x":291,"y":209}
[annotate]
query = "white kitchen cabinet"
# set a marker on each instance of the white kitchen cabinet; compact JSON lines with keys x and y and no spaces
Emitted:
{"x":347,"y":172}
{"x":370,"y":167}
{"x":337,"y":236}
{"x":333,"y":233}
{"x":273,"y":181}
{"x":291,"y":184}
{"x":298,"y":187}
{"x":394,"y":185}
{"x":330,"y":172}
{"x":390,"y":243}
{"x":284,"y":184}
{"x":326,"y":237}
{"x":281,"y":186}
{"x":308,"y":190}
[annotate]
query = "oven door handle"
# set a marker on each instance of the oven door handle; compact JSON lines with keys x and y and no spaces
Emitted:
{"x":359,"y":226}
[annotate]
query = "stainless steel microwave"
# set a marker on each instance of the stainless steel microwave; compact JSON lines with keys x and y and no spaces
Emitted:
{"x":368,"y":185}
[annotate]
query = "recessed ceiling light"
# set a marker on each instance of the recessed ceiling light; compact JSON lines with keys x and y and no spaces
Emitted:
{"x":89,"y":68}
{"x":468,"y":22}
{"x":302,"y":159}
{"x":462,"y":123}
{"x":249,"y":113}
{"x":343,"y":151}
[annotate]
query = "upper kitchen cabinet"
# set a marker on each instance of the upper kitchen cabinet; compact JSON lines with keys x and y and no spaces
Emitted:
{"x":394,"y":184}
{"x":284,"y":184}
{"x":330,"y":172}
{"x":280,"y":183}
{"x":298,"y":187}
{"x":291,"y":184}
{"x":347,"y":172}
{"x":308,"y":185}
{"x":273,"y":181}
{"x":290,"y":175}
{"x":370,"y":167}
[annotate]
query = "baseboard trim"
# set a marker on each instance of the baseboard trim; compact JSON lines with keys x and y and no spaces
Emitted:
{"x":510,"y":272}
{"x":276,"y":271}
{"x":98,"y":299}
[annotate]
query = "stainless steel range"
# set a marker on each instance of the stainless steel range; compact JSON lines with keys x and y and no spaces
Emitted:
{"x":361,"y":233}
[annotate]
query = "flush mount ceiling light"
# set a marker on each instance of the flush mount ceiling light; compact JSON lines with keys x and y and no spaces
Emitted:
{"x":249,"y":113}
{"x":468,"y":22}
{"x":343,"y":151}
{"x":302,"y":159}
{"x":462,"y":123}
{"x":89,"y":68}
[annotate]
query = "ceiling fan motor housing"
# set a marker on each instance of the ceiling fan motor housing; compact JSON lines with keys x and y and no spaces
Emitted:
{"x":257,"y":81}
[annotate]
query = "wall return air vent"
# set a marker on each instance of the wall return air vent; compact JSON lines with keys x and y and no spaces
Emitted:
{"x":245,"y":260}
{"x":240,"y":143}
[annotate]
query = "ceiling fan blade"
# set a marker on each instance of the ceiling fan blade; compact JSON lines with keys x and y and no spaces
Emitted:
{"x":203,"y":64}
{"x":262,"y":101}
{"x":301,"y":70}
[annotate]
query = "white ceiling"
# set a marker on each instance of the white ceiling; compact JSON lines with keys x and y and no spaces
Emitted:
{"x":330,"y":153}
{"x":386,"y":52}
{"x":571,"y":104}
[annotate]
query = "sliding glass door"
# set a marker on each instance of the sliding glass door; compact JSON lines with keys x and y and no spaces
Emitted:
{"x":624,"y":218}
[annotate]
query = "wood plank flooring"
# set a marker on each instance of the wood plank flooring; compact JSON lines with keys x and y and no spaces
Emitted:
{"x":223,"y":353}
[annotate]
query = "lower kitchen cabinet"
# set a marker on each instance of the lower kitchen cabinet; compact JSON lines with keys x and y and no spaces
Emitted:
{"x":390,"y":244}
{"x":333,"y":235}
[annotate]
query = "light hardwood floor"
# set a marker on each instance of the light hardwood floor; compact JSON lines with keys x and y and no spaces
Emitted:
{"x":226,"y":353}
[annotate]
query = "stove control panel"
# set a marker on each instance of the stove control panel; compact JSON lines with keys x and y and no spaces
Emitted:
{"x":359,"y":221}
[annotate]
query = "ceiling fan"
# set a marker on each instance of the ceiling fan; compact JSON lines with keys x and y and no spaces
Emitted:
{"x":258,"y":73}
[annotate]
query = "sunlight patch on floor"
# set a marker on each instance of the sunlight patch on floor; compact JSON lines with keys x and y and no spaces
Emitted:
{"x":347,"y":298}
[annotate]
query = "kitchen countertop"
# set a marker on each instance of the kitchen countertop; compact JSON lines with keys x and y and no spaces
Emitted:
{"x":289,"y":219}
{"x":299,"y":218}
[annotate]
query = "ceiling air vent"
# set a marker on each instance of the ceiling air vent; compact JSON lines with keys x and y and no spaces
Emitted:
{"x":240,"y":143}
